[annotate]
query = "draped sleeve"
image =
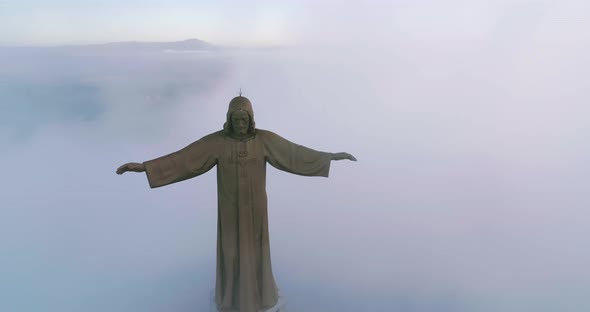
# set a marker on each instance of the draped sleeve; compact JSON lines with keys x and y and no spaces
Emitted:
{"x":294,"y":158}
{"x":189,"y":162}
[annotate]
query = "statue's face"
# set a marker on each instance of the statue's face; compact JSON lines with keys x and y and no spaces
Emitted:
{"x":240,"y":122}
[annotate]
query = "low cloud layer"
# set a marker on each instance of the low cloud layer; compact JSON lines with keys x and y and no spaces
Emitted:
{"x":469,"y":193}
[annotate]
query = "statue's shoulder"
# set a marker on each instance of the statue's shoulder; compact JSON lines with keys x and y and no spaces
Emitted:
{"x":268,"y":136}
{"x":212,"y":137}
{"x":215,"y":135}
{"x":264,"y":134}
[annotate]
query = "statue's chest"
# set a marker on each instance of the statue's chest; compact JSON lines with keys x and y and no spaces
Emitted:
{"x":244,"y":153}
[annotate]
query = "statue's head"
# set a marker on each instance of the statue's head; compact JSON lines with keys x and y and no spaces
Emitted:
{"x":240,"y":118}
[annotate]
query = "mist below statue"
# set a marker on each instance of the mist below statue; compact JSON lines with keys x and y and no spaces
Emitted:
{"x":280,"y":306}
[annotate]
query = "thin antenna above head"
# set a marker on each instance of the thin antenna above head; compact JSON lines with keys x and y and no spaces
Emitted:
{"x":240,"y":91}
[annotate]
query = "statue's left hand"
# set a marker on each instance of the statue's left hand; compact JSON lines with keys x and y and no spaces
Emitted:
{"x":340,"y":156}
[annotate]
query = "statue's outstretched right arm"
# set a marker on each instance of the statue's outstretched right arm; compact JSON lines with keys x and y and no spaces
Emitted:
{"x":133,"y":167}
{"x":189,"y":162}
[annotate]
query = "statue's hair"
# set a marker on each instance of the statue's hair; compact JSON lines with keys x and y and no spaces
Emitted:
{"x":227,"y":128}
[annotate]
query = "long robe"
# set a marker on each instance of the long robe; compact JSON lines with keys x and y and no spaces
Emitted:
{"x":244,"y":280}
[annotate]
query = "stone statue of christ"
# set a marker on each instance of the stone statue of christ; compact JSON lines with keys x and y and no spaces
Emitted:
{"x":245,"y":281}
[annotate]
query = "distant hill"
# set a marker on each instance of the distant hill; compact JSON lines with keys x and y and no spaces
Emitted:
{"x":188,"y":45}
{"x":185,"y":45}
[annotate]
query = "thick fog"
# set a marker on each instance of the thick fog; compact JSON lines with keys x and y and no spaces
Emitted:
{"x":469,"y":122}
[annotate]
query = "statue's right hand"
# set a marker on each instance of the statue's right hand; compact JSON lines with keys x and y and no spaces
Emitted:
{"x":135,"y":167}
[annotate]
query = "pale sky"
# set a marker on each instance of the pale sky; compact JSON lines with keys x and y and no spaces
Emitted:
{"x":222,"y":22}
{"x":263,"y":22}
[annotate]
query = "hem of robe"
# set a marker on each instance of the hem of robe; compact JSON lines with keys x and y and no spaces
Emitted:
{"x":326,"y":171}
{"x":150,"y":167}
{"x":276,"y":304}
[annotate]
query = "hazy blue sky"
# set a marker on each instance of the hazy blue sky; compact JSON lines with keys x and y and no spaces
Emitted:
{"x":265,"y":22}
{"x":227,"y":22}
{"x":469,"y":120}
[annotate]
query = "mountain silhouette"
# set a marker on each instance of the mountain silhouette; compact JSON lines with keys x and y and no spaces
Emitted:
{"x":184,"y":45}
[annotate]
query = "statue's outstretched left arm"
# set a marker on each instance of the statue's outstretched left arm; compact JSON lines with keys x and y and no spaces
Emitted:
{"x":297,"y":159}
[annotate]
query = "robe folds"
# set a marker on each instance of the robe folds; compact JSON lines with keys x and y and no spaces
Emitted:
{"x":244,"y":281}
